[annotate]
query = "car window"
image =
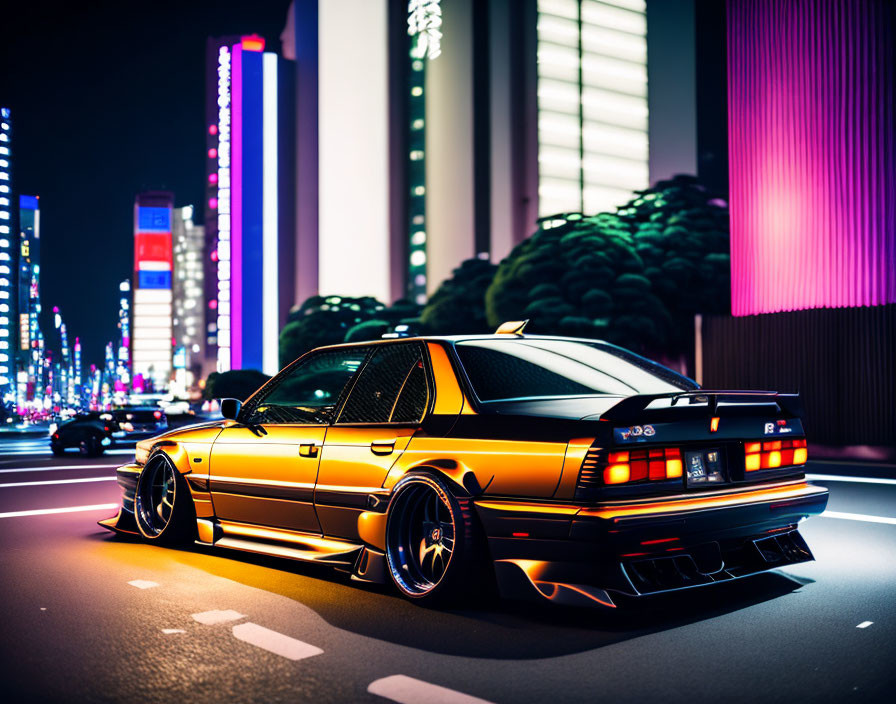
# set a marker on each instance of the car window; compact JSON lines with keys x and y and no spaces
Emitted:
{"x":507,"y":369}
{"x":309,"y":391}
{"x":391,"y":387}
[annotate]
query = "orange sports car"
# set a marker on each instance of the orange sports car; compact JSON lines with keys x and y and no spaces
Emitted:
{"x":571,"y":470}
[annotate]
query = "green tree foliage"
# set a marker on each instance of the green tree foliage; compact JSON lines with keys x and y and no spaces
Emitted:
{"x":458,"y":305}
{"x":329,"y":320}
{"x":635,"y":277}
{"x":579,"y":276}
{"x":680,"y":231}
{"x":238,"y":383}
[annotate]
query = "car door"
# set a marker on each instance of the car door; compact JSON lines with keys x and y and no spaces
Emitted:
{"x":263,"y":467}
{"x":383,"y":409}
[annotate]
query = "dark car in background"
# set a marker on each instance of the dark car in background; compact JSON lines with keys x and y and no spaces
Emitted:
{"x":94,"y":432}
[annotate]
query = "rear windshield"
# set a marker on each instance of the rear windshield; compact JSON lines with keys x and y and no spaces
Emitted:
{"x":532,"y":368}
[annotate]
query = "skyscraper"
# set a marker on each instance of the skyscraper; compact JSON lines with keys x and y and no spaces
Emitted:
{"x":29,"y":353}
{"x":189,"y":303}
{"x":152,"y":309}
{"x":253,"y":158}
{"x":8,"y":323}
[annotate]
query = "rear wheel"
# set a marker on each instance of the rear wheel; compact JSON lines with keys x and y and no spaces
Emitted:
{"x":430,"y":541}
{"x":162,"y":503}
{"x":57,"y":450}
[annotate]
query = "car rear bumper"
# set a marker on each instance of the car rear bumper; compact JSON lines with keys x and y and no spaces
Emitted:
{"x":584,"y":555}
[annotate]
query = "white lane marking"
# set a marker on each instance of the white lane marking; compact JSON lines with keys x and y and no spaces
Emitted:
{"x":59,"y":468}
{"x":43,"y":608}
{"x":17,"y":453}
{"x":864,"y":624}
{"x":859,"y":517}
{"x":407,"y":690}
{"x":143,"y":583}
{"x":172,"y":631}
{"x":59,"y":481}
{"x":67,"y":509}
{"x":210,"y":618}
{"x":844,"y":478}
{"x":274,"y":642}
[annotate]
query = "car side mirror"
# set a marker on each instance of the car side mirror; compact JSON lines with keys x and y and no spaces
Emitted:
{"x":230,"y":408}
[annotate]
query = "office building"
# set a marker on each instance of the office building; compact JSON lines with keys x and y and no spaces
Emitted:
{"x":253,"y":233}
{"x":151,"y":326}
{"x":189,"y":304}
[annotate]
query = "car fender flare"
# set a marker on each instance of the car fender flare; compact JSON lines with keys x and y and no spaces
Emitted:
{"x":459,"y":478}
{"x":174,"y":452}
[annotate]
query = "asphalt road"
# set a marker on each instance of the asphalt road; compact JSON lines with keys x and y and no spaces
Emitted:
{"x":85,"y":616}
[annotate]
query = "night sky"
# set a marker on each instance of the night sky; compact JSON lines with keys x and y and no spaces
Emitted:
{"x":108,"y":99}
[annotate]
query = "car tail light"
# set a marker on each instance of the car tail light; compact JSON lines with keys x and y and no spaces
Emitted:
{"x":639,"y":465}
{"x":774,"y":454}
{"x":158,"y":415}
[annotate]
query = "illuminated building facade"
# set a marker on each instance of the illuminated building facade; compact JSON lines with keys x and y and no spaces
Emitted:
{"x":8,"y":321}
{"x":253,"y":155}
{"x":30,"y":341}
{"x":189,"y":306}
{"x":123,"y":365}
{"x":480,"y":117}
{"x":151,"y":326}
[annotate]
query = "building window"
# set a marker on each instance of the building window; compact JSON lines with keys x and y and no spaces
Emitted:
{"x":592,"y":104}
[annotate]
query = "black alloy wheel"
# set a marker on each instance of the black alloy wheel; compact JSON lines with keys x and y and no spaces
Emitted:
{"x":90,"y":446}
{"x":162,"y":503}
{"x":429,"y":540}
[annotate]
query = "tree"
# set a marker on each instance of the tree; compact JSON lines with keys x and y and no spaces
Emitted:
{"x":458,"y":305}
{"x":681,"y":232}
{"x":580,"y":276}
{"x":330,"y":320}
{"x":237,"y":383}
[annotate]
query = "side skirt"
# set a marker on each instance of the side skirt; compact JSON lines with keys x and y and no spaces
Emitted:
{"x":306,"y":547}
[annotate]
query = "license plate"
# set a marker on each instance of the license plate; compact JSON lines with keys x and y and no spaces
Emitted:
{"x":704,"y":467}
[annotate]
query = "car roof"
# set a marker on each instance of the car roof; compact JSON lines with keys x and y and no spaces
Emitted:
{"x":465,"y":338}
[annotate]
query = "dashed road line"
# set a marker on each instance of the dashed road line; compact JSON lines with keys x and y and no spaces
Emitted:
{"x":172,"y":631}
{"x":67,"y":509}
{"x":275,"y":642}
{"x":859,"y":517}
{"x":864,"y":624}
{"x":143,"y":583}
{"x":211,"y":618}
{"x":407,"y":690}
{"x":59,"y":481}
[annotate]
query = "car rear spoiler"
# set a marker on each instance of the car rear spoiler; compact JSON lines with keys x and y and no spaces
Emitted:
{"x":630,"y":408}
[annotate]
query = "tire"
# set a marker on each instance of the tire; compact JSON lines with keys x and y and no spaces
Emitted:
{"x":90,"y":447}
{"x":57,"y":450}
{"x":431,"y":542}
{"x":163,"y":508}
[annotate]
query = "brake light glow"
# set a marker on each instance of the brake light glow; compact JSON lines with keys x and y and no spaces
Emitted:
{"x":638,"y":465}
{"x":775,"y":454}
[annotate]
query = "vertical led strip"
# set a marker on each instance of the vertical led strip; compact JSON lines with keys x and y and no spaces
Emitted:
{"x":224,"y":249}
{"x":271,"y":306}
{"x":592,"y":104}
{"x":7,"y":329}
{"x":236,"y":209}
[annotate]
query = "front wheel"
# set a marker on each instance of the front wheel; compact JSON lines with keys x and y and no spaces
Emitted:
{"x":430,"y":541}
{"x":163,"y":506}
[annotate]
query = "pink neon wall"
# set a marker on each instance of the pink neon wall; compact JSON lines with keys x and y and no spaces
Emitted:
{"x":811,"y":145}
